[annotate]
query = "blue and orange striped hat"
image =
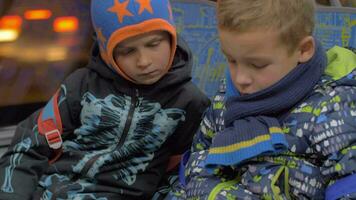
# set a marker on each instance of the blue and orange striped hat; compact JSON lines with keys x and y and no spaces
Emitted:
{"x":117,"y":20}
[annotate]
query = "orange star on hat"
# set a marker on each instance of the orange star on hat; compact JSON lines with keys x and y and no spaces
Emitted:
{"x":145,"y":5}
{"x":120,"y":9}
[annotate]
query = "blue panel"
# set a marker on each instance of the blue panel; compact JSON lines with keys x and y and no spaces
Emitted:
{"x":335,"y":27}
{"x":196,"y":22}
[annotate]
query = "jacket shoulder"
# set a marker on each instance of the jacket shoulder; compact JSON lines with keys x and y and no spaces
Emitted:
{"x":196,"y":95}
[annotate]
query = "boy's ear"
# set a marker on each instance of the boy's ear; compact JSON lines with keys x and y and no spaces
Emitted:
{"x":306,"y":48}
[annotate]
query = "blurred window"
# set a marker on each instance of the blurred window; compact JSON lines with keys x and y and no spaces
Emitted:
{"x":41,"y":42}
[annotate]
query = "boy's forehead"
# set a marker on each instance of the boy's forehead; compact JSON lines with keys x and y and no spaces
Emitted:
{"x":251,"y":38}
{"x":250,"y":44}
{"x":142,"y":38}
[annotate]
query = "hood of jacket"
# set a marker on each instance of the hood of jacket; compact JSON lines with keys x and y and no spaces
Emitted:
{"x":341,"y":62}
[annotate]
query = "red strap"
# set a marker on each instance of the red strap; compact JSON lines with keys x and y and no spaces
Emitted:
{"x":51,"y":127}
{"x":57,"y":154}
{"x":54,"y":122}
{"x":173,"y":162}
{"x":54,"y":139}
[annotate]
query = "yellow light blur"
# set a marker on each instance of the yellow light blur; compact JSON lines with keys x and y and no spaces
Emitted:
{"x":8,"y":35}
{"x":37,"y":14}
{"x":34,"y":54}
{"x":65,"y":24}
{"x":56,"y":54}
{"x":10,"y":22}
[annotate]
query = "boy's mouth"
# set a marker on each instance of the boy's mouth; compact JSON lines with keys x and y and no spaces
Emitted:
{"x":151,"y":73}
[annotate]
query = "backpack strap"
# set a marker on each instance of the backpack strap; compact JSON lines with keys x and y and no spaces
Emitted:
{"x":50,"y":126}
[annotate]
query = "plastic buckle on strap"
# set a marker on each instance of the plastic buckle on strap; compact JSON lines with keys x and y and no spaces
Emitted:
{"x":54,"y":139}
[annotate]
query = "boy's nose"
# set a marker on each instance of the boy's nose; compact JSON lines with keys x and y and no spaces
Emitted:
{"x":144,"y":60}
{"x":242,"y":79}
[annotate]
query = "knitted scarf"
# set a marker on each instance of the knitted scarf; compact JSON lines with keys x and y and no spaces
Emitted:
{"x":252,"y":122}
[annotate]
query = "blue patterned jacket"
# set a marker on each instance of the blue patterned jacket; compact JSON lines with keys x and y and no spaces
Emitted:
{"x":320,"y":162}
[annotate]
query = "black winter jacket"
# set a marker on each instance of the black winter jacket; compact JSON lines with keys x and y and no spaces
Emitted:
{"x":117,"y":136}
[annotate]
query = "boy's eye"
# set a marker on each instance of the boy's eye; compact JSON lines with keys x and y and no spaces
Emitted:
{"x":154,"y":44}
{"x":231,"y":61}
{"x":125,"y":52}
{"x":259,"y":66}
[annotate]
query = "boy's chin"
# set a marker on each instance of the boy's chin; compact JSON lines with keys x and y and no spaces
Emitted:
{"x":148,"y":81}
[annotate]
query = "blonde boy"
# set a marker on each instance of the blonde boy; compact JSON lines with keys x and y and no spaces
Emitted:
{"x":284,"y":127}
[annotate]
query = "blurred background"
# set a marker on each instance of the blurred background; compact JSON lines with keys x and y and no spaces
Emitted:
{"x":40,"y":43}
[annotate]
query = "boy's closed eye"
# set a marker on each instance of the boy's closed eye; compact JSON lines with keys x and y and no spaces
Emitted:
{"x":231,"y":61}
{"x":258,"y":62}
{"x":258,"y":66}
{"x":154,"y":43}
{"x":254,"y":65}
{"x":125,"y":51}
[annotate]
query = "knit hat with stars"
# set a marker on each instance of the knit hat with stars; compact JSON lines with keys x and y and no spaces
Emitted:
{"x":117,"y":20}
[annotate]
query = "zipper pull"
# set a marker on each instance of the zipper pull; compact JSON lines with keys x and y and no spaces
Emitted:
{"x":137,"y":99}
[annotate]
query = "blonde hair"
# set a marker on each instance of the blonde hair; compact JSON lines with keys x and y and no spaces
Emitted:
{"x":292,"y":19}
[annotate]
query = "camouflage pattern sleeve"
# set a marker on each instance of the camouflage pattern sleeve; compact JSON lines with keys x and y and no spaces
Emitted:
{"x":334,"y":139}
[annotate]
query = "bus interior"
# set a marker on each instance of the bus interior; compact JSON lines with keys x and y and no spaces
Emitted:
{"x":41,"y":42}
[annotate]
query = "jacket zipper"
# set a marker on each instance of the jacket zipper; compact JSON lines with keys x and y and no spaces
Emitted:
{"x":215,"y":191}
{"x":129,"y":119}
{"x":128,"y":122}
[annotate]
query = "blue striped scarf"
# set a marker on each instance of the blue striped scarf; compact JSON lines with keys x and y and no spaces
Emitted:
{"x":252,"y":122}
